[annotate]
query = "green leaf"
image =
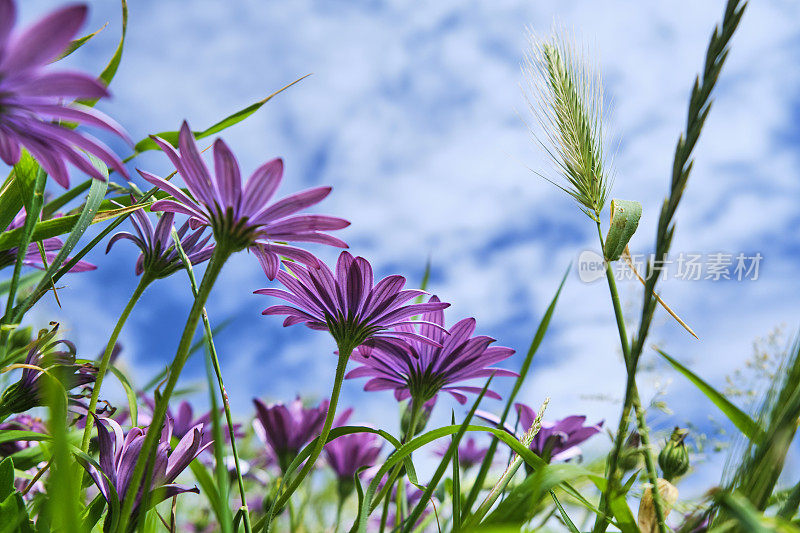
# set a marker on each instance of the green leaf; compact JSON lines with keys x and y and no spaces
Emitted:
{"x":451,"y":451}
{"x":93,"y":512}
{"x":172,"y":136}
{"x":625,"y":215}
{"x":96,"y":193}
{"x":523,"y":372}
{"x":564,"y":516}
{"x":625,"y":521}
{"x":10,"y":435}
{"x":209,"y":488}
{"x":523,"y":499}
{"x":18,"y":184}
{"x":113,"y":64}
{"x":54,"y":227}
{"x":14,"y":515}
{"x":456,"y":484}
{"x":744,"y":423}
{"x":77,"y":43}
{"x":129,"y":392}
{"x":6,"y":478}
{"x":28,"y":280}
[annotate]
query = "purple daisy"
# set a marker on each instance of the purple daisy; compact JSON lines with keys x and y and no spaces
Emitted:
{"x":118,"y":455}
{"x":32,"y":97}
{"x":33,"y":256}
{"x":469,"y":453}
{"x":57,"y":357}
{"x":555,"y":441}
{"x":183,"y":420}
{"x":159,"y":257}
{"x":21,"y":422}
{"x":242,"y":217}
{"x":349,"y":453}
{"x":348,"y":305}
{"x":420,"y":374}
{"x":286,"y":428}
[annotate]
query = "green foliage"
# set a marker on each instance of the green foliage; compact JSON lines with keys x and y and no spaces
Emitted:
{"x":760,"y":463}
{"x":172,"y":136}
{"x":740,"y":419}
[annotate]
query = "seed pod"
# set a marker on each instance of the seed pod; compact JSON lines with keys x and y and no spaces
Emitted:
{"x":647,"y":520}
{"x":674,"y":457}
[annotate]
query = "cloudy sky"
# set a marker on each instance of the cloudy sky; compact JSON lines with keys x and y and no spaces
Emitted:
{"x":415,"y":115}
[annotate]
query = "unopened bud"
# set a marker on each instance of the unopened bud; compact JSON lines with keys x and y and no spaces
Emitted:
{"x":674,"y":457}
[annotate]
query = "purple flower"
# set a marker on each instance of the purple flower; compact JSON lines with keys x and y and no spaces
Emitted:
{"x":348,"y":453}
{"x":469,"y":454}
{"x":20,"y":423}
{"x":356,"y":313}
{"x":421,"y":374}
{"x":32,"y":97}
{"x":183,"y":421}
{"x":119,"y":452}
{"x":555,"y":441}
{"x":242,"y":217}
{"x":33,"y":257}
{"x":45,"y":355}
{"x":159,"y":257}
{"x":286,"y":428}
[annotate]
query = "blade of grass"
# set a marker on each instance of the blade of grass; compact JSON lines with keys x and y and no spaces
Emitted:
{"x":227,"y":122}
{"x":740,"y":419}
{"x":526,"y":364}
{"x":452,"y":451}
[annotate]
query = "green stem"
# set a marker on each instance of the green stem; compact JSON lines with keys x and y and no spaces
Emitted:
{"x":416,"y":411}
{"x":31,"y":217}
{"x":613,"y":475}
{"x":104,"y":362}
{"x":213,"y":269}
{"x":341,"y":366}
{"x":212,"y":350}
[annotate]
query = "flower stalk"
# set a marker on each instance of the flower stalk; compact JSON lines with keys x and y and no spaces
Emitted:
{"x":212,"y":350}
{"x":319,"y":444}
{"x":215,"y":264}
{"x":144,"y":282}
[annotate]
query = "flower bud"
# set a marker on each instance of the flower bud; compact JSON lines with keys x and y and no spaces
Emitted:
{"x":674,"y":457}
{"x":631,"y":456}
{"x":648,"y":522}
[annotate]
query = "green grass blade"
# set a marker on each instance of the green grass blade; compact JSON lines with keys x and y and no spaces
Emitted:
{"x":172,"y":136}
{"x":523,"y":372}
{"x":452,"y":451}
{"x":564,"y":516}
{"x":95,"y":197}
{"x":77,"y":43}
{"x":456,"y":484}
{"x":740,"y":419}
{"x":113,"y":64}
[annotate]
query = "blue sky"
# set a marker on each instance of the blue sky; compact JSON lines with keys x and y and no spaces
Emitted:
{"x":415,"y":115}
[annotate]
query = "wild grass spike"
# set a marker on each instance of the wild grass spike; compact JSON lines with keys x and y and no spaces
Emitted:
{"x":566,"y":96}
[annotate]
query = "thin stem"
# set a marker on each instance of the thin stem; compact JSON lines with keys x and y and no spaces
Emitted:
{"x":212,"y":349}
{"x":613,"y":475}
{"x":213,"y":269}
{"x":105,"y":360}
{"x":416,"y":411}
{"x":344,"y":357}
